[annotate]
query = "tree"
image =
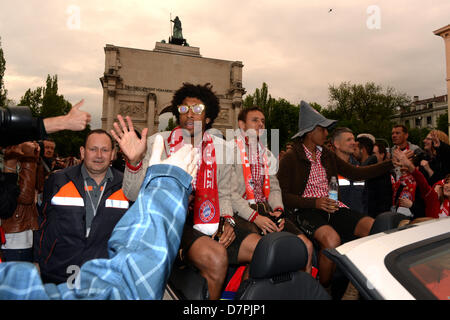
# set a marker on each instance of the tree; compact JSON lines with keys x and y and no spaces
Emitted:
{"x":417,"y":135}
{"x":33,"y":99}
{"x":279,"y":113}
{"x":170,"y":125}
{"x":365,"y":108}
{"x":284,"y":117}
{"x":442,"y":122}
{"x":262,"y":99}
{"x":3,"y":91}
{"x":46,"y":102}
{"x":316,"y":106}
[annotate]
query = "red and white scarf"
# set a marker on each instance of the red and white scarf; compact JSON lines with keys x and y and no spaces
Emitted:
{"x":445,"y":205}
{"x":206,"y":201}
{"x":250,"y":180}
{"x":409,"y":188}
{"x":445,"y":209}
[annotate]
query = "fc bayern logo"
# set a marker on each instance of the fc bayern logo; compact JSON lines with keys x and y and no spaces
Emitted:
{"x":207,"y":211}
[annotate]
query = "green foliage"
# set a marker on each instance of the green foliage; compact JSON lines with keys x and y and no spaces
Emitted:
{"x":442,"y":122}
{"x":3,"y":91}
{"x":284,"y":117}
{"x":33,"y":99}
{"x":365,"y":108}
{"x":46,"y":102}
{"x":53,"y":104}
{"x":68,"y":143}
{"x":417,"y":135}
{"x":361,"y":107}
{"x":316,"y":106}
{"x":280,"y":114}
{"x":170,"y":125}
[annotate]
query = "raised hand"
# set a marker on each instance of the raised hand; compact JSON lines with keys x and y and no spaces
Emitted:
{"x":435,"y":140}
{"x":400,"y":158}
{"x":133,"y":147}
{"x":77,"y":120}
{"x":29,"y":148}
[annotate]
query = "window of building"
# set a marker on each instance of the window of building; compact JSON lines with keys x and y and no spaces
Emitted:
{"x":418,"y":122}
{"x":429,"y":121}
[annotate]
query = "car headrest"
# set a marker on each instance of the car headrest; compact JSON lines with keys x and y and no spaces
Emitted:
{"x":386,"y":221}
{"x":277,"y":253}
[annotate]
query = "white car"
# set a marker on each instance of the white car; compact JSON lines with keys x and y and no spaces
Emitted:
{"x":411,"y":262}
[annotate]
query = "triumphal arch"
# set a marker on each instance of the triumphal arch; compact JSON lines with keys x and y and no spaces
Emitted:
{"x":140,"y":83}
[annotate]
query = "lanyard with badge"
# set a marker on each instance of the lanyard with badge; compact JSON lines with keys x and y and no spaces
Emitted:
{"x":94,"y":208}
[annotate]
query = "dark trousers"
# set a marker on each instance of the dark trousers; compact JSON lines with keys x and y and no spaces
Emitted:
{"x":25,"y":255}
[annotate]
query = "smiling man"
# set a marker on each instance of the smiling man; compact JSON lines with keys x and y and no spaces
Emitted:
{"x":81,"y":207}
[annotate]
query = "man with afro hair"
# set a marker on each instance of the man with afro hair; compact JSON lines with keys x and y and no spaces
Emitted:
{"x":195,"y":108}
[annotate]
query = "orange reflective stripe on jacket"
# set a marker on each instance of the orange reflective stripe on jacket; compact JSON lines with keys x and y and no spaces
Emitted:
{"x":345,"y":182}
{"x":68,"y":195}
{"x":117,"y":200}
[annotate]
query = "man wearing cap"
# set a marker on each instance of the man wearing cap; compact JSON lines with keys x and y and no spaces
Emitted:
{"x":304,"y":176}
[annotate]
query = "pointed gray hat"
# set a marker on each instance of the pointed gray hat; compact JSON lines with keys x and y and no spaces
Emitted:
{"x":309,"y":118}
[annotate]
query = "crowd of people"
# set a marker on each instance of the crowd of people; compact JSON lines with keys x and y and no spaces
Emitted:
{"x":189,"y":195}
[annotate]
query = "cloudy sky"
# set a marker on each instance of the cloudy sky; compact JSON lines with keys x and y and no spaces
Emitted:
{"x":298,"y":47}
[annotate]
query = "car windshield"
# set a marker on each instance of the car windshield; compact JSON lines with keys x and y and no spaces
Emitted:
{"x":423,"y":268}
{"x":434,"y":273}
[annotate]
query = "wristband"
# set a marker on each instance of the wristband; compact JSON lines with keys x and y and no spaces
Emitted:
{"x":134,"y":168}
{"x":253,"y":216}
{"x":279,"y":209}
{"x":230,"y":220}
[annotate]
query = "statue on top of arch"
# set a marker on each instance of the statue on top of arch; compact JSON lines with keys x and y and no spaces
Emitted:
{"x":177,"y":33}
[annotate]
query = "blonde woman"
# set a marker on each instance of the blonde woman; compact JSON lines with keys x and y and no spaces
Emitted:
{"x":437,"y":164}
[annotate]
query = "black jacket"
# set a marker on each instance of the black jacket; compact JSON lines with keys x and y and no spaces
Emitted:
{"x":440,"y":164}
{"x":61,"y":240}
{"x":377,"y":192}
{"x":9,"y":191}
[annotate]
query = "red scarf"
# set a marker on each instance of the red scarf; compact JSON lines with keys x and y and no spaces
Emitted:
{"x":206,"y":201}
{"x":249,"y":194}
{"x":445,"y":209}
{"x":409,"y":189}
{"x":445,"y":205}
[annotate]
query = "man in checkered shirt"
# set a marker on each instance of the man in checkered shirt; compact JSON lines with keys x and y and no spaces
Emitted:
{"x":304,"y":175}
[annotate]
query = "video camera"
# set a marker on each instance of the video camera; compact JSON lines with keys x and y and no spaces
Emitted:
{"x":17,"y":125}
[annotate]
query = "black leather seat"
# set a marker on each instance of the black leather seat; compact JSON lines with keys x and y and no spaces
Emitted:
{"x":186,"y":283}
{"x":386,"y":221}
{"x":274,"y":271}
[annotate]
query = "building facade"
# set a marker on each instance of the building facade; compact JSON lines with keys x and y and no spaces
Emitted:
{"x":140,"y":83}
{"x":422,"y":113}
